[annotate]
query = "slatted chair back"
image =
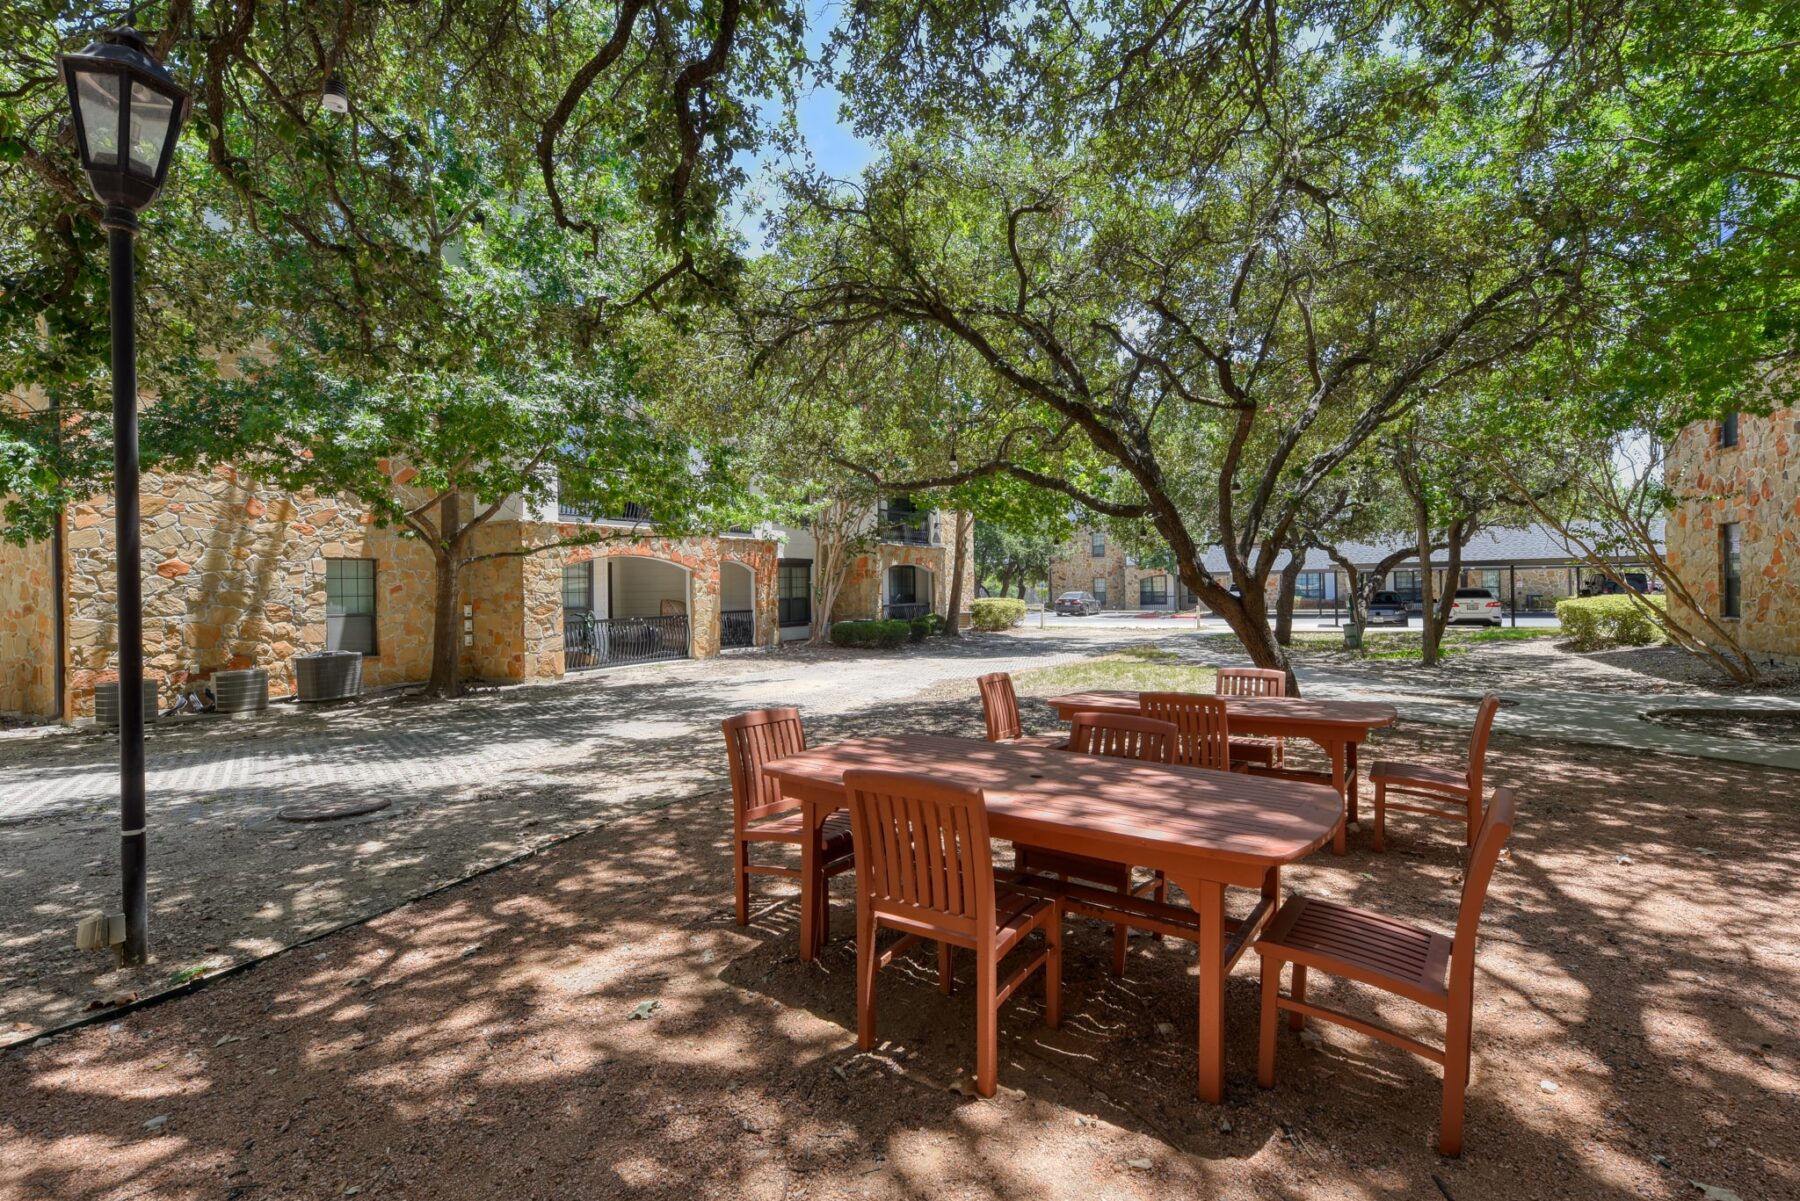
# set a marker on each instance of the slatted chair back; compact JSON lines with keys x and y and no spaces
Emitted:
{"x":751,"y":740}
{"x":1496,"y":828}
{"x":922,"y":852}
{"x":1001,"y":705}
{"x":1203,"y":737}
{"x":1478,"y":743}
{"x":1122,"y":736}
{"x":1250,"y":681}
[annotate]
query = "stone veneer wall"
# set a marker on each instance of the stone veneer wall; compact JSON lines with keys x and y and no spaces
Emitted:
{"x":234,"y":576}
{"x":860,"y":597}
{"x":700,"y":557}
{"x":27,"y":630}
{"x":1756,"y":484}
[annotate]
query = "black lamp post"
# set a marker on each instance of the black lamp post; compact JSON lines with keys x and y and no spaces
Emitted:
{"x":128,"y":113}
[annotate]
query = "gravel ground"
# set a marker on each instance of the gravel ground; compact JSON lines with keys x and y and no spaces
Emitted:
{"x":1634,"y":1034}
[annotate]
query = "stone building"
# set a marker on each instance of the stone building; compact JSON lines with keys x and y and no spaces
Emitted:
{"x":1529,"y":569}
{"x":241,"y":575}
{"x":1735,"y":537}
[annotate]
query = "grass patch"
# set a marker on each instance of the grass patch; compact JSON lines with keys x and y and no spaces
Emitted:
{"x":1136,"y":669}
{"x":1394,"y":645}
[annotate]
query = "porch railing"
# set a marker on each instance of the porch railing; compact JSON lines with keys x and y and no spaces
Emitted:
{"x":590,"y":641}
{"x":573,"y":512}
{"x":737,"y":627}
{"x":905,"y":610}
{"x":911,"y":527}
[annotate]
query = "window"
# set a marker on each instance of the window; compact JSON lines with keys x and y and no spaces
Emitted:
{"x":1311,"y":586}
{"x":1483,"y":577}
{"x":1731,"y":590}
{"x":1100,"y":589}
{"x":795,"y":592}
{"x":1405,"y":585}
{"x":1728,"y":430}
{"x":1097,"y":545}
{"x":578,"y":585}
{"x":350,"y":605}
{"x":1153,"y":590}
{"x":903,"y":585}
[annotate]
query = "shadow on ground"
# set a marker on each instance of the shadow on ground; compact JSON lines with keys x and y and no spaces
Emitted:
{"x":591,"y":1023}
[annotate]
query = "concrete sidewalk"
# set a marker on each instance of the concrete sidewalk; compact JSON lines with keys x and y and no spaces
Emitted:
{"x":1597,"y":719}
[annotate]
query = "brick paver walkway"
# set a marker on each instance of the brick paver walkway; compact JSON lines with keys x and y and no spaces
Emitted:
{"x":520,"y":737}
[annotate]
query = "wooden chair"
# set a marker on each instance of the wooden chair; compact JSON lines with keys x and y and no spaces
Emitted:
{"x":1000,"y":705}
{"x":1120,"y":736}
{"x":1204,"y":736}
{"x":759,"y":813}
{"x":1394,"y":956}
{"x":924,"y":867}
{"x":1253,"y":681}
{"x":1454,"y":795}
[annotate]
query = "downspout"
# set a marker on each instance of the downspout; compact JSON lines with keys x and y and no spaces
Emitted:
{"x":58,"y":589}
{"x":59,"y":615}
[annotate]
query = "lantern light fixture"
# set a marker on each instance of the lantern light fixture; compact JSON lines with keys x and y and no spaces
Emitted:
{"x":334,"y":97}
{"x":128,"y":112}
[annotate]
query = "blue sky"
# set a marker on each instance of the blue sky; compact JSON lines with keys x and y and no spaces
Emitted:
{"x":831,"y":144}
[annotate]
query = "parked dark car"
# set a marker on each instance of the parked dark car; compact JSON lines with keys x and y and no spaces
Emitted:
{"x":1600,"y":585}
{"x":1077,"y":604}
{"x":1387,"y":609}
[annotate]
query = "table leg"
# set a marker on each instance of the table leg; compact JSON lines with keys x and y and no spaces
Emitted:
{"x":810,"y":850}
{"x":1208,"y":900}
{"x":1338,"y":836}
{"x":1350,"y":773}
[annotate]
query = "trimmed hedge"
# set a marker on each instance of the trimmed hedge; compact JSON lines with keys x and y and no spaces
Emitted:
{"x":1597,"y":622}
{"x":924,"y":627}
{"x":996,"y":612}
{"x":885,"y":635}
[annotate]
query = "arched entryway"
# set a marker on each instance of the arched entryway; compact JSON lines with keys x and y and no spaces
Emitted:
{"x":624,"y":609}
{"x":907,"y":591}
{"x":737,"y":605}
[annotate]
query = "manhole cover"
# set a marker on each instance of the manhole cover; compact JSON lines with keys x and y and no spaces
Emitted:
{"x":328,"y":811}
{"x":1752,"y":725}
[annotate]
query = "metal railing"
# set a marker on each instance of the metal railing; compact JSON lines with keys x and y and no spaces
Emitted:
{"x":590,"y":641}
{"x":571,"y":512}
{"x":737,"y":627}
{"x":905,"y":610}
{"x":911,"y":527}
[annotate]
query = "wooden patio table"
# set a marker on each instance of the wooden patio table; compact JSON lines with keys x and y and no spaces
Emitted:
{"x":1336,"y":727}
{"x":1205,"y":830}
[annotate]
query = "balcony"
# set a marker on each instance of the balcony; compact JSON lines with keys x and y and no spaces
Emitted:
{"x":909,"y":527}
{"x":634,"y":514}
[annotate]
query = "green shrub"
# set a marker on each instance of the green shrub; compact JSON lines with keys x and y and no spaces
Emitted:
{"x":922,"y":628}
{"x":886,"y":635}
{"x":1596,"y":622}
{"x":996,"y":612}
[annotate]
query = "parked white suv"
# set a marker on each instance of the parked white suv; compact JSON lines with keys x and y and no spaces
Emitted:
{"x":1476,"y":604}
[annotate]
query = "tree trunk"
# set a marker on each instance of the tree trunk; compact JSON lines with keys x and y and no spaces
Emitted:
{"x":1006,"y":580}
{"x":1249,"y":621}
{"x":446,"y":628}
{"x":953,"y":623}
{"x":1428,"y":634}
{"x":1439,"y":621}
{"x":1284,"y":597}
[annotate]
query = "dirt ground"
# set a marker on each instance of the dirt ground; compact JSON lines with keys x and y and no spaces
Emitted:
{"x":590,"y":1023}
